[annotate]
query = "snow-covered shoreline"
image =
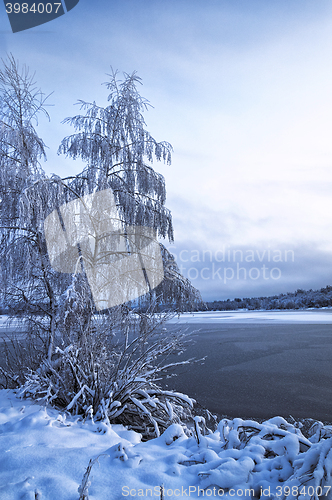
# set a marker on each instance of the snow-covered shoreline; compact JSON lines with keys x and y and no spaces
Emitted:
{"x":243,"y":316}
{"x":44,"y":454}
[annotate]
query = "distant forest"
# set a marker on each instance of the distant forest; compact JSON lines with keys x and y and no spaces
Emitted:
{"x":300,"y":299}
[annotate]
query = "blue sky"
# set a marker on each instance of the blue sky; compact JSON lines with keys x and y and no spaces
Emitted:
{"x":243,"y":91}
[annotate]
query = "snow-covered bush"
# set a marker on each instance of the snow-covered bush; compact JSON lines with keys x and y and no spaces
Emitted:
{"x":273,"y":459}
{"x":108,"y":368}
{"x":58,"y":456}
{"x":105,"y":366}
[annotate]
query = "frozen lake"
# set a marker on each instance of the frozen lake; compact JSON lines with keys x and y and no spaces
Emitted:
{"x":306,"y":316}
{"x":260,"y":363}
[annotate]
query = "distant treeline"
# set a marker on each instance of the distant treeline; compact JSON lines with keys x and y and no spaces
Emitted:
{"x":298,"y":300}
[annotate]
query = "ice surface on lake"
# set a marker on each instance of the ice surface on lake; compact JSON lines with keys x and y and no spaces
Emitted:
{"x":305,"y":316}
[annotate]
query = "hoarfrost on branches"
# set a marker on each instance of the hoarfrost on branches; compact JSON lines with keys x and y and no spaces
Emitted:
{"x":104,"y":366}
{"x":117,"y":148}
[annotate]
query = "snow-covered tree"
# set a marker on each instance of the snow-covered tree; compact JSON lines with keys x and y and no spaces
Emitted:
{"x":119,"y":153}
{"x":21,"y":103}
{"x":29,"y":285}
{"x":105,"y":364}
{"x":118,"y":150}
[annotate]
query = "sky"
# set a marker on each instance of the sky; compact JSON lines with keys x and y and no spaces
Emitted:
{"x":242,"y":90}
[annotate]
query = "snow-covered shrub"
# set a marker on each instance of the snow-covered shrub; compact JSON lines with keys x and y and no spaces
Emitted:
{"x":272,"y":459}
{"x":104,"y":366}
{"x":108,"y":368}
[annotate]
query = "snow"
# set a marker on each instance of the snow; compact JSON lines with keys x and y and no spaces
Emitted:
{"x":44,"y":455}
{"x":243,"y":316}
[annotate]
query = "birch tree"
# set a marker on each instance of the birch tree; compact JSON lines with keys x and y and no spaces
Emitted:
{"x":29,"y":286}
{"x":21,"y":148}
{"x":119,"y":153}
{"x":104,"y":364}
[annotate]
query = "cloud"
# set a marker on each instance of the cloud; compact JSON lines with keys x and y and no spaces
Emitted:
{"x":252,"y":271}
{"x":281,"y":219}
